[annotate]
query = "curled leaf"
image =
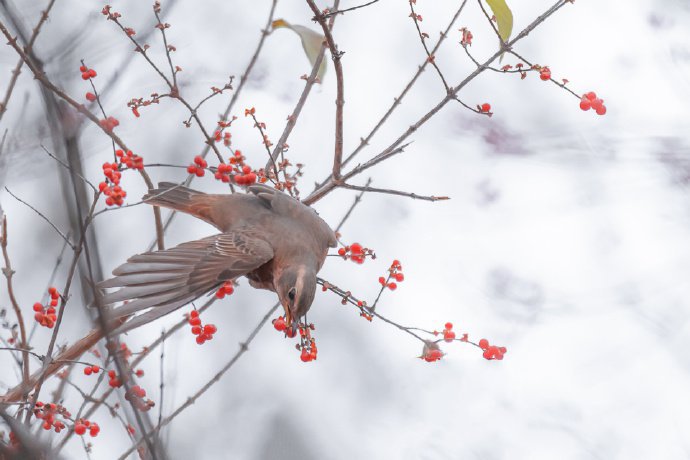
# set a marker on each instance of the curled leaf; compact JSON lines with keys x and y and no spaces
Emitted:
{"x":311,"y":42}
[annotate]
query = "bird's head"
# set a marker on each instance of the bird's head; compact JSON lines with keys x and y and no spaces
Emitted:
{"x":296,"y":287}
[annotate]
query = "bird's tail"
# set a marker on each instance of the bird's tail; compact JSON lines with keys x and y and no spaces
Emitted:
{"x":181,"y":198}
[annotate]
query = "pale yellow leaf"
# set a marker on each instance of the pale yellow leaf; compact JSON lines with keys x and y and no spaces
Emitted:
{"x":504,"y":18}
{"x":311,"y":43}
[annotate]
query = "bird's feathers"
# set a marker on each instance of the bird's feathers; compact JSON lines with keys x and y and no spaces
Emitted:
{"x":171,"y":278}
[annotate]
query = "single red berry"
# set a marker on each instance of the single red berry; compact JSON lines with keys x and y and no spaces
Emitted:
{"x":83,"y":68}
{"x":483,"y":344}
{"x":305,"y":356}
{"x":399,"y":277}
{"x":382,"y":280}
{"x":90,"y":97}
{"x":210,"y":329}
{"x":449,"y":325}
{"x":79,"y":429}
{"x":95,"y":369}
{"x":392,"y":286}
{"x":356,"y":248}
{"x":38,"y":307}
{"x":448,"y":335}
{"x":279,"y":324}
{"x":486,"y":107}
{"x":196,"y":330}
{"x":87,"y":371}
{"x":585,"y":104}
{"x":591,"y":95}
{"x":342,"y":251}
{"x":601,"y":110}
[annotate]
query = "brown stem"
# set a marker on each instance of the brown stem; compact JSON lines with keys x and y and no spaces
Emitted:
{"x":8,"y":272}
{"x":340,"y":85}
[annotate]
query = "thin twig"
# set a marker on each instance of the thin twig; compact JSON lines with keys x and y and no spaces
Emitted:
{"x":343,"y":11}
{"x":42,"y":216}
{"x":8,"y":272}
{"x":340,"y":86}
{"x":354,"y":204}
{"x":414,"y":196}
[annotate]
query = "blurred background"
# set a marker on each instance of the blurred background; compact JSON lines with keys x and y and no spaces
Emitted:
{"x":565,"y":238}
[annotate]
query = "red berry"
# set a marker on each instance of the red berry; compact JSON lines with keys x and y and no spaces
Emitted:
{"x":79,"y":429}
{"x":483,"y":344}
{"x":382,"y":280}
{"x":591,"y":95}
{"x":38,"y":307}
{"x":448,"y":335}
{"x":356,"y":248}
{"x":392,"y":286}
{"x":90,"y":97}
{"x":83,"y":68}
{"x":210,"y":329}
{"x":196,"y":330}
{"x":95,"y":369}
{"x":585,"y":104}
{"x":305,"y":356}
{"x":449,"y":325}
{"x":279,"y":324}
{"x":200,"y":339}
{"x":399,"y":277}
{"x":87,"y":371}
{"x":601,"y":110}
{"x":342,"y":251}
{"x":486,"y":107}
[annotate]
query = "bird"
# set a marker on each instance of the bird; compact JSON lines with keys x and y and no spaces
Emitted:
{"x":271,"y":238}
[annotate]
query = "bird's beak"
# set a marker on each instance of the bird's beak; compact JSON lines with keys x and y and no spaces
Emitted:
{"x":288,"y":317}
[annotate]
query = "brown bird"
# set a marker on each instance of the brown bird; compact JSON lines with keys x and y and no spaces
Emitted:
{"x":275,"y":241}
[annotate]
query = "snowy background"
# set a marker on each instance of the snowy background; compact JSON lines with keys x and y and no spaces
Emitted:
{"x":566,"y":238}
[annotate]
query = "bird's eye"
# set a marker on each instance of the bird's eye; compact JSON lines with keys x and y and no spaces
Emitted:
{"x":291,"y":294}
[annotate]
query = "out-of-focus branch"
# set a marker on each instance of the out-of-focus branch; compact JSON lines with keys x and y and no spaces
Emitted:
{"x":41,"y":77}
{"x":70,"y":354}
{"x":8,"y":272}
{"x":18,"y":67}
{"x":244,"y":346}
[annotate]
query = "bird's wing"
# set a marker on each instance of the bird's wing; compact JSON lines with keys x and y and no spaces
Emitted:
{"x":167,"y":280}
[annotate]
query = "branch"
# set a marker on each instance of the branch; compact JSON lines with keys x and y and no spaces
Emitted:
{"x":244,"y":346}
{"x":340,"y":84}
{"x":414,"y":196}
{"x":18,"y":67}
{"x":8,"y":272}
{"x":343,"y":11}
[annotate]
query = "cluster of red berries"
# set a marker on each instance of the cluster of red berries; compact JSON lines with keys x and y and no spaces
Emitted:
{"x":308,"y":352}
{"x":307,"y":343}
{"x":111,"y":187}
{"x":222,"y":136}
{"x":82,"y":425}
{"x":49,"y":414}
{"x":491,"y":351}
{"x":88,"y":370}
{"x":247,"y":177}
{"x":431,"y":352}
{"x":45,"y":316}
{"x":395,"y":272}
{"x":202,"y":333}
{"x":591,"y":101}
{"x":281,"y":326}
{"x":484,"y":108}
{"x":130,"y":160}
{"x":226,"y":289}
{"x":356,"y":253}
{"x":197,"y":167}
{"x":109,"y":123}
{"x":113,"y":380}
{"x":448,"y":333}
{"x":545,"y":73}
{"x":87,"y":73}
{"x":136,"y":396}
{"x":223,"y":172}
